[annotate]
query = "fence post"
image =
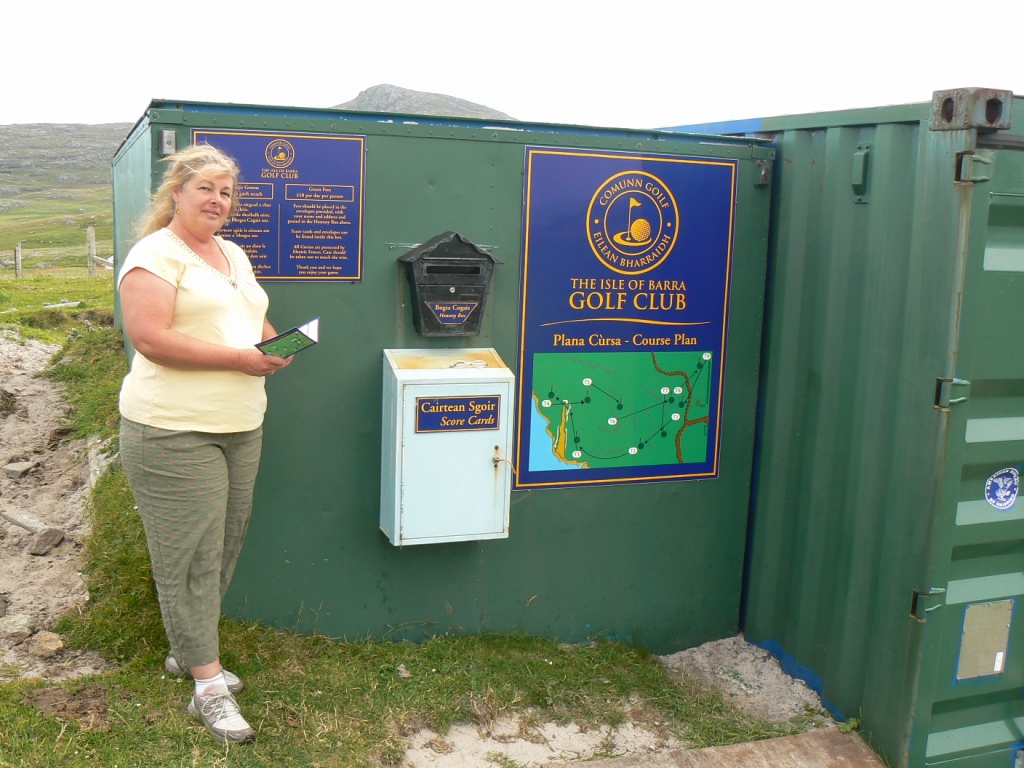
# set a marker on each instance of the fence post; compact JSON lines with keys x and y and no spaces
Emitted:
{"x":90,"y":244}
{"x":17,"y":260}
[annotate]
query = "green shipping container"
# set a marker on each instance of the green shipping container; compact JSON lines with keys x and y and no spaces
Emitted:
{"x":886,"y":556}
{"x":617,"y":544}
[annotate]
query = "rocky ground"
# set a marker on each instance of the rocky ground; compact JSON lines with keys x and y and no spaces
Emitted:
{"x":44,"y":491}
{"x":752,"y":680}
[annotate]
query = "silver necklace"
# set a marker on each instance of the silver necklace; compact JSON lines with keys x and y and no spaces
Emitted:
{"x":231,"y":278}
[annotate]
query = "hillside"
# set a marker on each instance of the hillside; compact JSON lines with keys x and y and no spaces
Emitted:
{"x":54,"y":183}
{"x":46,"y":156}
{"x":392,"y":98}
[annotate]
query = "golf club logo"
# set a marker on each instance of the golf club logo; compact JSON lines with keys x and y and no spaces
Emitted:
{"x":632,"y":222}
{"x":280,"y":153}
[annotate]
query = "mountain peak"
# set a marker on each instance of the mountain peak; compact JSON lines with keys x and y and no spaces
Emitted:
{"x":392,"y":98}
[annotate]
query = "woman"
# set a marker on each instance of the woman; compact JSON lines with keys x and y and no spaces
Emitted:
{"x":192,"y":413}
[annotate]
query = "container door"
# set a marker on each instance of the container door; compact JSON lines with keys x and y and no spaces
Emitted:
{"x":970,"y":708}
{"x":452,"y":490}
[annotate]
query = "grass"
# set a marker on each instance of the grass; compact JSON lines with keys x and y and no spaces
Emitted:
{"x":36,"y":307}
{"x":91,"y":368}
{"x":313,"y":701}
{"x":56,"y":218}
{"x":318,"y":702}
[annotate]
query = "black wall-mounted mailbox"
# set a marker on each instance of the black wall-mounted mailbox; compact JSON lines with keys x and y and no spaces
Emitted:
{"x":449,"y":277}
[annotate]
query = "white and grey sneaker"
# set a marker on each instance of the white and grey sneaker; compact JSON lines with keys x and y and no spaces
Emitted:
{"x":235,"y":684}
{"x":218,"y":711}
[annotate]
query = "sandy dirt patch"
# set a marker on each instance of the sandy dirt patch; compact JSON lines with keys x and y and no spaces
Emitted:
{"x":531,"y":744}
{"x":746,"y":676}
{"x":49,"y":484}
{"x":519,"y":740}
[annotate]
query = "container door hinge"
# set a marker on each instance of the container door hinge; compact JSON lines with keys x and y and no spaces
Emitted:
{"x":925,"y":602}
{"x":951,"y":392}
{"x":764,"y":173}
{"x":972,"y":167}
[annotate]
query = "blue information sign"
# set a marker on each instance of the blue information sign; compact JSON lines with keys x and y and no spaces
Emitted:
{"x":457,"y":414}
{"x":625,"y":291}
{"x":300,"y":211}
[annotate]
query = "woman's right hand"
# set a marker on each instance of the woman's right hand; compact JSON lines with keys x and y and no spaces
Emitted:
{"x":252,"y":362}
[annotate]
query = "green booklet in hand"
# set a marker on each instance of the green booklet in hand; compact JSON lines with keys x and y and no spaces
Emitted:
{"x":292,"y":341}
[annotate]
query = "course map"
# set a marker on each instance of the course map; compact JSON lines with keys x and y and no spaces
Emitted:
{"x":620,"y":409}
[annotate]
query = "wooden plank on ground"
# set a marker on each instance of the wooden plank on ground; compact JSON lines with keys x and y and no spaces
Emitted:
{"x":827,"y":748}
{"x":817,"y":749}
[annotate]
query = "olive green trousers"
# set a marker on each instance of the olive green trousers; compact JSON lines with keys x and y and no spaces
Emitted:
{"x":194,"y":493}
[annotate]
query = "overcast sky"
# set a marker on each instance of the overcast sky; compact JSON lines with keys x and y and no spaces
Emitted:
{"x":641,"y":63}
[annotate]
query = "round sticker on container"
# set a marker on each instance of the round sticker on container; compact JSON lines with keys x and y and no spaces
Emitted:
{"x":1001,"y":489}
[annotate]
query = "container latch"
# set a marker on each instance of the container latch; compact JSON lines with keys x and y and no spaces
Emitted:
{"x":922,"y":603}
{"x":951,"y":392}
{"x":859,"y":172}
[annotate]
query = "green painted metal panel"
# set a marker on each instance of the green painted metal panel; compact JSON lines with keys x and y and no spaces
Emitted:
{"x":869,"y":117}
{"x":876,"y":231}
{"x":980,"y":564}
{"x":131,"y":171}
{"x":659,"y":564}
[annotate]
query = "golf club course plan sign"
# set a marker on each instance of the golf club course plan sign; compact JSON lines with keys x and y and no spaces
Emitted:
{"x":626,"y":266}
{"x":300,"y":202}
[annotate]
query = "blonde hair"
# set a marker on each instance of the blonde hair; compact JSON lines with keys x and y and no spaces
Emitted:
{"x":200,"y":160}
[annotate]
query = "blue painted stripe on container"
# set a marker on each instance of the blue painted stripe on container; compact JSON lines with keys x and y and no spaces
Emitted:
{"x":1004,"y":258}
{"x":980,"y":511}
{"x":974,"y":736}
{"x":794,"y":668}
{"x":995,"y":430}
{"x":727,"y":127}
{"x":984,"y":588}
